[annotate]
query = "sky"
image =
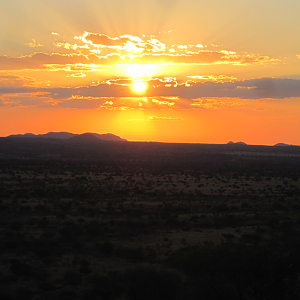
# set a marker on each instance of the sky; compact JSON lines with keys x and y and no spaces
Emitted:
{"x":183,"y":71}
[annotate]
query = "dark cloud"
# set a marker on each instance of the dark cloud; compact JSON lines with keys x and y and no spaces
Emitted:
{"x":158,"y":95}
{"x":81,"y":103}
{"x":277,"y":88}
{"x":15,"y":89}
{"x":9,"y":80}
{"x":274,"y":88}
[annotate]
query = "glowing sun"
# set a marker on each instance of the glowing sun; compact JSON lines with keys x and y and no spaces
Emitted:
{"x":139,"y":86}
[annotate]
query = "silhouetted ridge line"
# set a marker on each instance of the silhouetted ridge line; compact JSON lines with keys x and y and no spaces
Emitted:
{"x":85,"y":137}
{"x":68,"y":135}
{"x":284,"y":145}
{"x":237,"y":143}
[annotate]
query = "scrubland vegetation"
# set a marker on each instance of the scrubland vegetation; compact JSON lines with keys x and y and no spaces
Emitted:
{"x":149,"y":221}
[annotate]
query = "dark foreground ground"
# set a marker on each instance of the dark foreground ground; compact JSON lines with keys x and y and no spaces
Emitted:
{"x":148,"y":221}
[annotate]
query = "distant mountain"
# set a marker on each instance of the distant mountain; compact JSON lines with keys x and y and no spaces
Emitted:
{"x":85,"y":137}
{"x":109,"y":137}
{"x":284,"y":145}
{"x":23,"y":135}
{"x":57,"y":135}
{"x":237,"y":143}
{"x":67,"y":135}
{"x":50,"y":135}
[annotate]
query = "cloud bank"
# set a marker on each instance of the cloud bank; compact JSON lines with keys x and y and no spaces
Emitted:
{"x":96,"y":49}
{"x":160,"y":94}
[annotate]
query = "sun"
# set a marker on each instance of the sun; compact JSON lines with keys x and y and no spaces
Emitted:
{"x":139,"y":86}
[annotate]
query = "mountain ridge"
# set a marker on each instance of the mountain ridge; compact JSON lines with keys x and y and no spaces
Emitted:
{"x":237,"y":143}
{"x":68,"y":135}
{"x":285,"y":145}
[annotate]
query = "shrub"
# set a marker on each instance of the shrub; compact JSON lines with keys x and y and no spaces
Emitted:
{"x":130,"y":253}
{"x":20,"y":269}
{"x":72,"y":277}
{"x":149,"y":284}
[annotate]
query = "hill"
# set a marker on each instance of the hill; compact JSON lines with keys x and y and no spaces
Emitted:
{"x":69,"y":135}
{"x":284,"y":145}
{"x":85,"y":137}
{"x":237,"y":143}
{"x":57,"y":135}
{"x":109,"y":137}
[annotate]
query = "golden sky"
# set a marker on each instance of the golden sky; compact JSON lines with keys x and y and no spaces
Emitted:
{"x":194,"y":71}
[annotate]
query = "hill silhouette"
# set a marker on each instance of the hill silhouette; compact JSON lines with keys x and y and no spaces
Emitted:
{"x":108,"y":137}
{"x":57,"y":135}
{"x":68,"y":135}
{"x":283,"y":145}
{"x":85,"y":137}
{"x":237,"y":143}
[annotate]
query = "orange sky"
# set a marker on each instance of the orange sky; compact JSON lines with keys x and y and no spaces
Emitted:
{"x":170,"y":71}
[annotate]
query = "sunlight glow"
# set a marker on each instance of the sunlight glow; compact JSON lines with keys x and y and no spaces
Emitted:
{"x":139,"y":86}
{"x":138,"y":71}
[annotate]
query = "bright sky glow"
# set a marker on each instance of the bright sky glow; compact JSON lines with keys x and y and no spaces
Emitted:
{"x":203,"y":71}
{"x":139,"y":71}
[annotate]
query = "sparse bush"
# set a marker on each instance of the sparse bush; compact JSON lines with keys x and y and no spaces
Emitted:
{"x":20,"y":269}
{"x":149,"y":284}
{"x":106,"y":247}
{"x":228,"y":236}
{"x":72,"y":277}
{"x":278,"y":206}
{"x":220,"y":208}
{"x":130,"y":253}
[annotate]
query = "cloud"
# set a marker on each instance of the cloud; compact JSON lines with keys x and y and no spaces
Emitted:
{"x":78,"y":75}
{"x":212,"y":78}
{"x":104,"y":40}
{"x":260,"y":109}
{"x":33,"y":44}
{"x":154,"y":118}
{"x":218,"y":103}
{"x":80,"y":103}
{"x":163,"y":102}
{"x":164,"y":94}
{"x":262,"y":88}
{"x":203,"y":57}
{"x":40,"y":60}
{"x":9,"y":80}
{"x":33,"y":99}
{"x":96,"y":49}
{"x":126,"y":42}
{"x":152,"y":50}
{"x":69,"y":46}
{"x":274,"y":88}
